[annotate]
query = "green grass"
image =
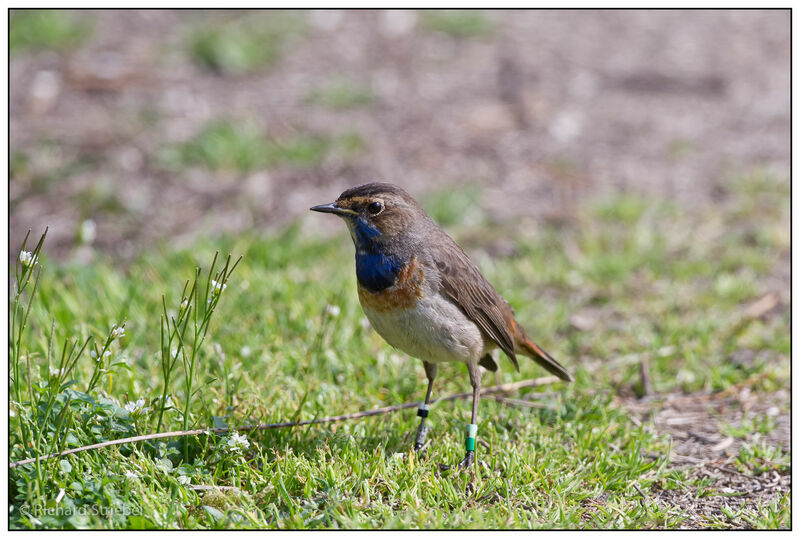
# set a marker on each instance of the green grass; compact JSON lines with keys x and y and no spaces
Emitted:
{"x":758,"y":458}
{"x":241,"y":147}
{"x":245,"y":43}
{"x":276,"y":351}
{"x":41,"y":29}
{"x":341,"y":93}
{"x":457,"y":23}
{"x":771,"y":515}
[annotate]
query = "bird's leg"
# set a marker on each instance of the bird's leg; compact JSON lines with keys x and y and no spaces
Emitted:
{"x":472,"y":428}
{"x":422,"y":412}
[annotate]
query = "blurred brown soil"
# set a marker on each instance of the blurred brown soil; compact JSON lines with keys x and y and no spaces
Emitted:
{"x":551,"y":109}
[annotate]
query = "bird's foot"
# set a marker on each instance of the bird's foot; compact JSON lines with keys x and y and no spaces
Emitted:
{"x":469,"y":458}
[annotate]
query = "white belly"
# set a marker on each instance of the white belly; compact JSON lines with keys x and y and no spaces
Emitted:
{"x":434,"y":330}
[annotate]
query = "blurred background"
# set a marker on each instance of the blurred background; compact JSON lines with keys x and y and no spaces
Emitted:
{"x":142,"y":128}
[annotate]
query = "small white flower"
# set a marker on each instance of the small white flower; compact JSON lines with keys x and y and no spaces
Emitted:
{"x":136,"y":407}
{"x":217,"y":288}
{"x":245,"y":351}
{"x":93,"y":354}
{"x":333,"y":310}
{"x":184,"y":305}
{"x":54,"y":371}
{"x":106,"y":354}
{"x":237,"y":442}
{"x":174,"y":353}
{"x":168,"y":403}
{"x":131,"y":475}
{"x":117,"y":331}
{"x":28,"y":259}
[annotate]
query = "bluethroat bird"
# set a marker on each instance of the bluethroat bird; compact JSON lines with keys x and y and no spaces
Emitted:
{"x":423,"y":294}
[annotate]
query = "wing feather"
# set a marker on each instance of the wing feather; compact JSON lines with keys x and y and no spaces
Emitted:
{"x":465,"y":285}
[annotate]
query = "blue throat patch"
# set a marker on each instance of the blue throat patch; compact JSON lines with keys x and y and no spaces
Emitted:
{"x":375,"y":269}
{"x":365,"y":233}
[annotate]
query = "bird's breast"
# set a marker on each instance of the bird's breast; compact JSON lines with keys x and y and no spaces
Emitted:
{"x":418,"y":320}
{"x":402,"y":292}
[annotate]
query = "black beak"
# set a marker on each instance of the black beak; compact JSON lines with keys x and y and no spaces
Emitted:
{"x":332,"y":208}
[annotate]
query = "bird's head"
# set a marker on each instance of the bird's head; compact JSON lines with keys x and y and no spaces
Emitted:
{"x":375,"y":213}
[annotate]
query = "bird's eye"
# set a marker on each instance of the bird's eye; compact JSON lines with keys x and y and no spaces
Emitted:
{"x":375,"y":208}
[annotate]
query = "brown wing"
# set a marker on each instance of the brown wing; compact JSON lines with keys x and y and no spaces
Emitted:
{"x":463,"y":282}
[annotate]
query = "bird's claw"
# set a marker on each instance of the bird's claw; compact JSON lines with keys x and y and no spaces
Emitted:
{"x":469,"y":458}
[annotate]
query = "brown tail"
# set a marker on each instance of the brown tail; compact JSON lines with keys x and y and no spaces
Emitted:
{"x":529,"y":348}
